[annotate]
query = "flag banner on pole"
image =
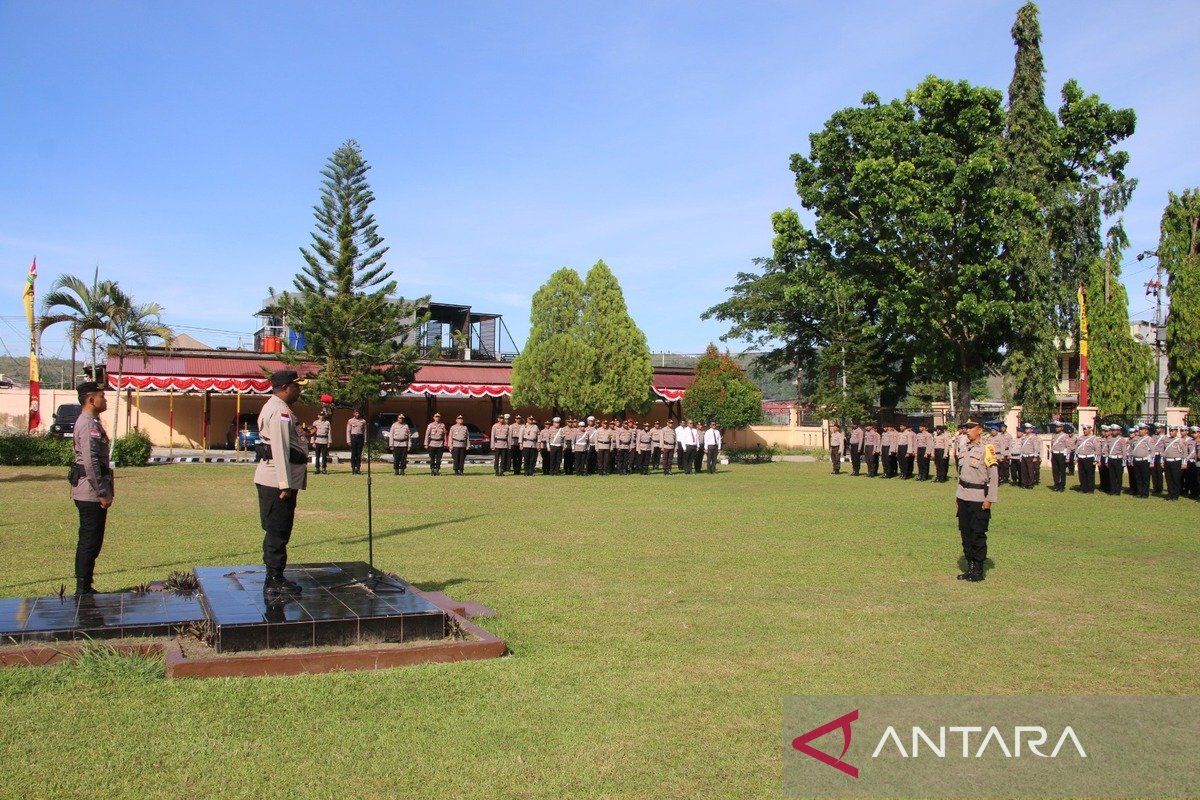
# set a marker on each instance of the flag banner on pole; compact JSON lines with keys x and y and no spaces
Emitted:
{"x":35,"y":414}
{"x":1083,"y":328}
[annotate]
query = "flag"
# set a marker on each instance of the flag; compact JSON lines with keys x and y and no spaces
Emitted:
{"x":1083,"y":330}
{"x":35,"y":414}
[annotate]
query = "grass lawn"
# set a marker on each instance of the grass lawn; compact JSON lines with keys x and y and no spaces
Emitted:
{"x":655,"y":626}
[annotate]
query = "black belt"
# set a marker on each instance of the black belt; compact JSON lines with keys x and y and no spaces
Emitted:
{"x":966,"y":485}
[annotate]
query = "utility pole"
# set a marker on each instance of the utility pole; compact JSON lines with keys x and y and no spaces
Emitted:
{"x":1155,"y":287}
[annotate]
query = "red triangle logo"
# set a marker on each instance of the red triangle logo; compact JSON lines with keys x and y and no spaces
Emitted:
{"x":843,"y":722}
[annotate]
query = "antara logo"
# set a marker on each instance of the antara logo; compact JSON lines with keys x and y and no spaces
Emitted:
{"x":801,"y":743}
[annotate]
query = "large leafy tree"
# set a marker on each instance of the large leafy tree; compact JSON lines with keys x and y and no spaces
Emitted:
{"x":1179,"y":255}
{"x":132,"y":329}
{"x":555,"y":367}
{"x":913,"y":195}
{"x":721,"y":392}
{"x":1120,"y":367}
{"x":1031,"y":151}
{"x":620,"y":370}
{"x":343,"y":302}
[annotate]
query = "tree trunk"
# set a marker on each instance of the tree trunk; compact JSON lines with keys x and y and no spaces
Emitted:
{"x":74,"y":344}
{"x":117,"y":417}
{"x":964,"y":397}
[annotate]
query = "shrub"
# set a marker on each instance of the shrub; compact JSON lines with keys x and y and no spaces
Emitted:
{"x":25,"y":450}
{"x":131,"y":450}
{"x":752,"y":455}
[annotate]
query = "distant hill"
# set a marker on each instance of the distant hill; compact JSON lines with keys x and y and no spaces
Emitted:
{"x":55,"y":372}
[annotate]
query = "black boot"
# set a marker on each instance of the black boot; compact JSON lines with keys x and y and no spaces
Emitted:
{"x":276,"y":582}
{"x":976,"y":572}
{"x":966,"y":573}
{"x":82,"y":589}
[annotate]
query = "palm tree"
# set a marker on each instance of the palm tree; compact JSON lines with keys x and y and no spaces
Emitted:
{"x":132,"y":328}
{"x":86,"y":307}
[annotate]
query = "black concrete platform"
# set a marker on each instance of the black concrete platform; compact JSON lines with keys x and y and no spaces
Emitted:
{"x":98,"y":616}
{"x":335,"y":608}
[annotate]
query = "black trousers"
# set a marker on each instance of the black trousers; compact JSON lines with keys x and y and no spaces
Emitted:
{"x":1142,"y":470}
{"x":655,"y":457}
{"x":356,"y":448}
{"x":1058,"y":468}
{"x":668,"y":455}
{"x":1173,"y":476}
{"x":458,"y":457}
{"x":1014,"y":470}
{"x":973,"y":521}
{"x":500,"y":460}
{"x":322,"y":451}
{"x":556,"y":454}
{"x":623,"y":461}
{"x":399,"y":459}
{"x":529,"y":458}
{"x":711,"y":455}
{"x":835,"y":456}
{"x":922,"y":464}
{"x":1116,"y":471}
{"x":581,"y":462}
{"x":1156,"y":475}
{"x":689,"y":458}
{"x":872,"y":463}
{"x":1102,"y":469}
{"x":941,"y":465}
{"x":855,"y":458}
{"x":603,"y":460}
{"x":905,"y":462}
{"x":515,"y":459}
{"x":435,"y":459}
{"x":889,"y":462}
{"x":568,"y":460}
{"x":1087,"y":474}
{"x":1191,"y":480}
{"x":92,"y":519}
{"x":698,"y":459}
{"x":276,"y":517}
{"x":1071,"y":464}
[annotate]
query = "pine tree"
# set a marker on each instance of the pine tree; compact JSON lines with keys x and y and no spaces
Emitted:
{"x":343,"y":304}
{"x":1179,"y":255}
{"x":721,"y":392}
{"x":555,"y":367}
{"x":1029,"y":146}
{"x":1120,"y":367}
{"x":621,"y":372}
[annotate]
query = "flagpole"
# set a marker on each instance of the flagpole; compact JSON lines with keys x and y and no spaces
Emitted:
{"x":35,"y":414}
{"x":1083,"y":348}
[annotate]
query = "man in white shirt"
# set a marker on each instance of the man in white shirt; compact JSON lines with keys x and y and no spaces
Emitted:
{"x":712,"y":444}
{"x":685,"y":438}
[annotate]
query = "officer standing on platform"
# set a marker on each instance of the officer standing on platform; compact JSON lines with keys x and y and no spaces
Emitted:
{"x":460,"y":437}
{"x":856,"y":446}
{"x":322,"y":435}
{"x":282,"y":471}
{"x":356,"y":430}
{"x":399,"y":436}
{"x":435,"y":444}
{"x":499,"y":443}
{"x":837,"y":440}
{"x":978,"y":489}
{"x":91,"y":481}
{"x":1086,"y":450}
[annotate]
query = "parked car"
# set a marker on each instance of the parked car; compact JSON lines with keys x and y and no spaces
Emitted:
{"x":7,"y":382}
{"x":244,"y":434}
{"x":64,"y":419}
{"x":477,"y":440}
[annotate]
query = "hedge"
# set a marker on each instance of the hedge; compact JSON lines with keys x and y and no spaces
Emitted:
{"x":25,"y":450}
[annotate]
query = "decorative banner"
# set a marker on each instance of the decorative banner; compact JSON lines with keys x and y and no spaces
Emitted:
{"x":1083,"y":348}
{"x":35,"y":414}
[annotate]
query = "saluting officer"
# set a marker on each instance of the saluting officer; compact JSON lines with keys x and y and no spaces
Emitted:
{"x":91,"y":483}
{"x":281,"y":473}
{"x":460,"y":437}
{"x":978,"y":489}
{"x":435,"y":444}
{"x":500,"y":445}
{"x":399,"y":435}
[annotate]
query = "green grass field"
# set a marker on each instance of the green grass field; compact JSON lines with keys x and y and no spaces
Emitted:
{"x":655,"y":626}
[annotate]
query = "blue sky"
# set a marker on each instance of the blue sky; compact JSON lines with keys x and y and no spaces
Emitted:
{"x":178,"y":146}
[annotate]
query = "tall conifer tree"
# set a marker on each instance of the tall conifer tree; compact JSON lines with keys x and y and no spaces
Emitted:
{"x":621,"y":369}
{"x":1179,"y":254}
{"x":1120,"y":367}
{"x":554,"y":368}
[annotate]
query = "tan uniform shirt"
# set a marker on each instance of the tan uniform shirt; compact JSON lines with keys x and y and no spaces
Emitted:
{"x":529,"y":436}
{"x":1086,"y":447}
{"x":91,"y":445}
{"x":856,"y":437}
{"x":978,"y":475}
{"x":667,"y":438}
{"x":837,"y":439}
{"x":580,"y":443}
{"x":645,"y":441}
{"x":604,"y":439}
{"x":871,"y":441}
{"x":924,"y":440}
{"x":277,"y":429}
{"x":1175,"y":449}
{"x":500,"y":435}
{"x":460,"y":435}
{"x":400,"y":434}
{"x":435,"y":435}
{"x":355,"y":427}
{"x":322,"y":431}
{"x":624,"y":438}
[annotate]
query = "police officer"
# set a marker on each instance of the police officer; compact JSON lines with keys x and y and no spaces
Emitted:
{"x":515,"y":460}
{"x":1142,"y":453}
{"x":1158,"y":437}
{"x":1031,"y":456}
{"x":603,"y":440}
{"x":1060,"y":450}
{"x":888,"y":443}
{"x":91,"y":483}
{"x":978,"y":489}
{"x":1174,"y":452}
{"x":435,"y":444}
{"x":1118,"y":451}
{"x":281,"y":473}
{"x":856,"y":447}
{"x":1002,"y":442}
{"x":356,"y":435}
{"x":1086,"y":450}
{"x":668,"y":439}
{"x":871,"y":439}
{"x":713,"y":445}
{"x":645,"y":443}
{"x":624,"y":447}
{"x":322,"y":435}
{"x":579,"y":448}
{"x":460,"y":437}
{"x":924,"y":443}
{"x":555,"y":440}
{"x":529,"y":444}
{"x":905,"y":451}
{"x":941,"y":453}
{"x":399,"y":435}
{"x":837,"y":440}
{"x":499,"y":443}
{"x":570,"y":432}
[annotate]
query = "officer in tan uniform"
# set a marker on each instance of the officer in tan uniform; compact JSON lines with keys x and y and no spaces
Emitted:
{"x":515,"y":459}
{"x":905,"y":451}
{"x":1031,"y":456}
{"x":978,"y":489}
{"x":941,"y":454}
{"x":529,"y":444}
{"x":1086,"y":450}
{"x":569,"y":432}
{"x":322,"y":436}
{"x":856,"y":448}
{"x":579,"y":447}
{"x":400,"y":435}
{"x":1060,"y":452}
{"x":624,"y":446}
{"x":499,"y":443}
{"x":604,"y":440}
{"x":923,"y":441}
{"x":887,"y":442}
{"x":656,"y":445}
{"x":837,"y":441}
{"x":435,"y":444}
{"x":667,"y":440}
{"x":460,"y":437}
{"x":281,"y":473}
{"x":871,"y":444}
{"x":1174,"y":454}
{"x":1118,"y":451}
{"x":91,"y":481}
{"x":356,"y":435}
{"x":645,"y":443}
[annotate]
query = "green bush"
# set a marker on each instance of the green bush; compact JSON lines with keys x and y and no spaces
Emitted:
{"x":752,"y":455}
{"x":24,"y":450}
{"x":131,"y":450}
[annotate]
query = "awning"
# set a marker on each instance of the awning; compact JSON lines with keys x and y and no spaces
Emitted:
{"x":459,"y":389}
{"x":176,"y":383}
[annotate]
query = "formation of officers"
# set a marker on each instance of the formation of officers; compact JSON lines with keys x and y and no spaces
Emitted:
{"x":1147,"y":458}
{"x":570,"y":447}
